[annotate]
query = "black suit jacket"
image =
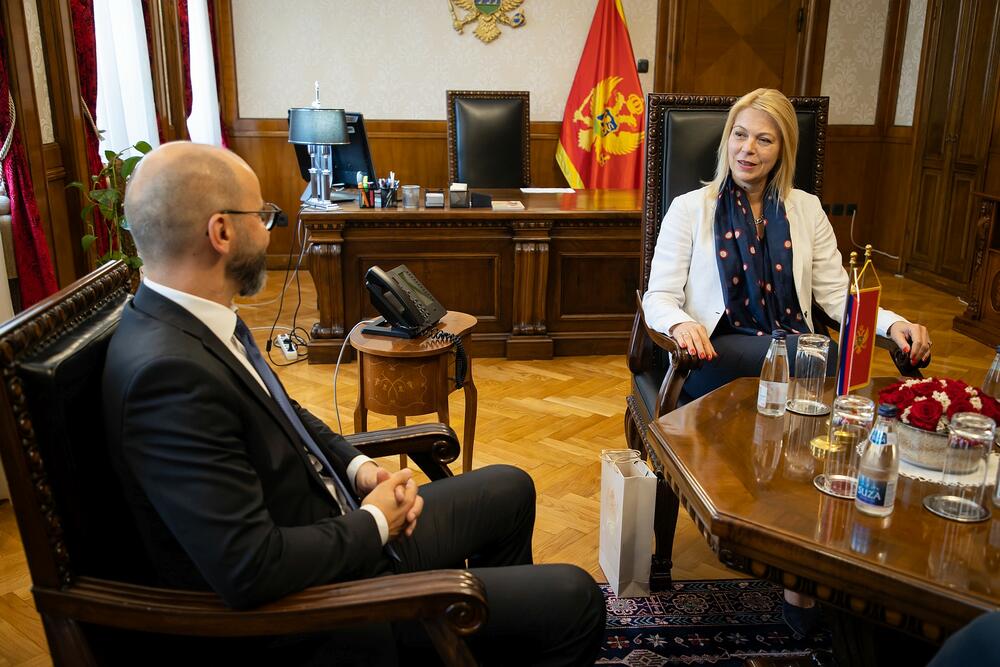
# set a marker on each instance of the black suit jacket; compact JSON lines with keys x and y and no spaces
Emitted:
{"x":217,"y":478}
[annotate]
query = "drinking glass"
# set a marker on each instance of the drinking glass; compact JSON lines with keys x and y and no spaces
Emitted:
{"x":411,"y":196}
{"x":970,"y":437}
{"x":850,"y":423}
{"x":810,"y":375}
{"x":799,"y":461}
{"x":767,"y":444}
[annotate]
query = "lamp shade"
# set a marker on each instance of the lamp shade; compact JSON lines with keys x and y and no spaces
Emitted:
{"x":309,"y":125}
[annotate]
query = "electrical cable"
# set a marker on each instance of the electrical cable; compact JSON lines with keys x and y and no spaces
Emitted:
{"x":336,"y":370}
{"x":303,"y":342}
{"x":461,"y":360}
{"x":861,"y":247}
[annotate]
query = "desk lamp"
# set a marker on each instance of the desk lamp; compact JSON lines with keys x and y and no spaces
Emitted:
{"x":319,"y":129}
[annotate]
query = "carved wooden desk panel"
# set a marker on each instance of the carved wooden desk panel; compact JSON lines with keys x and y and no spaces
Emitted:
{"x":760,"y":513}
{"x":556,"y":278}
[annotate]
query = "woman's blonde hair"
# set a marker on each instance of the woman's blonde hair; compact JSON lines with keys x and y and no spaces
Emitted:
{"x":777,"y":106}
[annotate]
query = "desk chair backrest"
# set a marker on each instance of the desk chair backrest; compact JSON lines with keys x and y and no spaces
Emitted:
{"x":682,"y":142}
{"x":489,"y":138}
{"x":69,"y":504}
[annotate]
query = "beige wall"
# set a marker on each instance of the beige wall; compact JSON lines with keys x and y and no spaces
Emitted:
{"x":855,"y":40}
{"x":395,"y":60}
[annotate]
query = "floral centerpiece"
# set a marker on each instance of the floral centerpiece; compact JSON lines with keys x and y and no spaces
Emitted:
{"x":925,"y":407}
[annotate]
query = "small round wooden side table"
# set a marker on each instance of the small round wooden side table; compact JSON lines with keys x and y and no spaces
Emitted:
{"x":414,"y":376}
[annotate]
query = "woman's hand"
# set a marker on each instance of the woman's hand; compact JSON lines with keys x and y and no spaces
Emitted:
{"x":693,"y":337}
{"x":912,"y":339}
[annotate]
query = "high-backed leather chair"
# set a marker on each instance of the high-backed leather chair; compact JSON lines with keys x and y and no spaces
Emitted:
{"x":682,"y":140}
{"x":489,"y":138}
{"x":91,"y":576}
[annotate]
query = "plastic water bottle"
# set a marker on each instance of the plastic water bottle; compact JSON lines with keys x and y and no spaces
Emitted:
{"x":773,"y":389}
{"x":991,"y":385}
{"x":879,"y":469}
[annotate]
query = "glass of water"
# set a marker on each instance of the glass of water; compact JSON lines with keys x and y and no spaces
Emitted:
{"x":970,"y":437}
{"x":810,"y":375}
{"x":850,"y":424}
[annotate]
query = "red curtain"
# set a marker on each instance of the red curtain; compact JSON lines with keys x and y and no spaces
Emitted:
{"x":35,"y":273}
{"x":218,"y":77}
{"x":86,"y":65}
{"x":185,"y":36}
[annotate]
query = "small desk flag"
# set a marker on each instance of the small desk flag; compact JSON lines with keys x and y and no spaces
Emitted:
{"x":601,"y":143}
{"x":857,"y":326}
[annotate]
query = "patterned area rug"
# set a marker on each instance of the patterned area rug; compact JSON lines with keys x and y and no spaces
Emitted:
{"x":721,"y":622}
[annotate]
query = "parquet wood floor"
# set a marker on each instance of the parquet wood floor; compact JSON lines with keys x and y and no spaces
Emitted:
{"x":551,"y":418}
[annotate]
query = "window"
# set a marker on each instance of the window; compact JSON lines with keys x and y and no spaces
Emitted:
{"x":126,"y":111}
{"x":203,"y":123}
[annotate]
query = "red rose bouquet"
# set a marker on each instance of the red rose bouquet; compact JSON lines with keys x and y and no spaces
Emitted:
{"x":929,"y":403}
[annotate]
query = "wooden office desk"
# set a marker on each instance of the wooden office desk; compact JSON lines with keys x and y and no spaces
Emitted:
{"x":406,"y":377}
{"x":760,"y":513}
{"x":556,"y":278}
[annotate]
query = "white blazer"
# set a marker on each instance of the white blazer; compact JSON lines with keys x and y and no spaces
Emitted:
{"x":684,"y":283}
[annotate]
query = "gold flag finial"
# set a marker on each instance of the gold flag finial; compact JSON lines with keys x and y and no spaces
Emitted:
{"x":854,"y":258}
{"x":868,"y":251}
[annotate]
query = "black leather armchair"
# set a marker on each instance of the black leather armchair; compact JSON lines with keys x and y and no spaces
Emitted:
{"x":489,"y":138}
{"x":92,"y":580}
{"x":682,"y":139}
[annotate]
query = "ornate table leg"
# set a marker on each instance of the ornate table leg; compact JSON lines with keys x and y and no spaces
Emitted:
{"x":531,"y":268}
{"x":326,"y":268}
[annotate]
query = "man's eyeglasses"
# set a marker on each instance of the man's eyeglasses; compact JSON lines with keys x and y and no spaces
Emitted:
{"x":270,"y":215}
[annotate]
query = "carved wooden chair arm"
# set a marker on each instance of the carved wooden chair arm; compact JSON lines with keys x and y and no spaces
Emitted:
{"x":456,"y":596}
{"x":642,"y":345}
{"x":431,"y":446}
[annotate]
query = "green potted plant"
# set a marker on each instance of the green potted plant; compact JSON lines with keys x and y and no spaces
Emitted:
{"x":106,"y":197}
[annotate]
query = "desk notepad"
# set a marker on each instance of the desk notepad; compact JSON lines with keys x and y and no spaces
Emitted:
{"x":503,"y":205}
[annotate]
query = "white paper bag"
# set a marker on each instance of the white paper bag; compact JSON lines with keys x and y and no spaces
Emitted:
{"x":628,"y":497}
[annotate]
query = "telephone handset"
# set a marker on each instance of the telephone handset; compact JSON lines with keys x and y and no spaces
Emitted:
{"x":407,"y":308}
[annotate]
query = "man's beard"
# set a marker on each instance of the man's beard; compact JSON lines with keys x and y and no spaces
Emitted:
{"x":249,"y":271}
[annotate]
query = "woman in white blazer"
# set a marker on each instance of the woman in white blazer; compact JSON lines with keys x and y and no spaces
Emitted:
{"x":747,"y":254}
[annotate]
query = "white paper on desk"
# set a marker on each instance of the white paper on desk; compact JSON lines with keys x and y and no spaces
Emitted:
{"x":547,"y":191}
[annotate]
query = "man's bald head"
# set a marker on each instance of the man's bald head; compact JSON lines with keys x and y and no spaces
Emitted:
{"x":176,"y":189}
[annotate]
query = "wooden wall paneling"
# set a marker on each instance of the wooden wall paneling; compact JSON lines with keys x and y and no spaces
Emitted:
{"x":732,"y":48}
{"x":853,"y":176}
{"x":813,"y":48}
{"x":64,"y":243}
{"x":22,"y":88}
{"x":71,"y":130}
{"x":669,"y":35}
{"x":888,"y":230}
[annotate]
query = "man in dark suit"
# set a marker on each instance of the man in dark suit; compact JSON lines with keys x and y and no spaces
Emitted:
{"x":237,"y":488}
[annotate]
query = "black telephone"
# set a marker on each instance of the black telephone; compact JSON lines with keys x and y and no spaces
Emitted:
{"x":407,"y":308}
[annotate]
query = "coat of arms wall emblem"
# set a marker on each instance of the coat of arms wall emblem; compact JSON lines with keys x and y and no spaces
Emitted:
{"x":488,"y":13}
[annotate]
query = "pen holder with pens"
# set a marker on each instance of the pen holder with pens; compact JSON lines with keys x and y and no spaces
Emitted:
{"x":376,"y":197}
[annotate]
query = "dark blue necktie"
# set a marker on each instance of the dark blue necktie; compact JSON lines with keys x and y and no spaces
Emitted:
{"x":281,"y":398}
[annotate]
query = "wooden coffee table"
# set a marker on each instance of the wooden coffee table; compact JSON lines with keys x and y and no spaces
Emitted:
{"x":758,"y":509}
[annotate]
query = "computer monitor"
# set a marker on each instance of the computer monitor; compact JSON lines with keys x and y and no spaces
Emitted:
{"x":348,"y":159}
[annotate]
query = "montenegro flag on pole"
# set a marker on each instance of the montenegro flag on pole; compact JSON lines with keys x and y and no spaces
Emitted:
{"x":603,"y":126}
{"x":857,"y":327}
